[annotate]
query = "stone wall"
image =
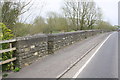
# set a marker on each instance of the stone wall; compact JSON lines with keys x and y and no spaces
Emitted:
{"x":58,"y":41}
{"x":31,"y":48}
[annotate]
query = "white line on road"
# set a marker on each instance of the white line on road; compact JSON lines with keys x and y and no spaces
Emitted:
{"x":81,"y":69}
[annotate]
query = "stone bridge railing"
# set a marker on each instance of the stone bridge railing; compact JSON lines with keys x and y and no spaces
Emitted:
{"x":31,"y":48}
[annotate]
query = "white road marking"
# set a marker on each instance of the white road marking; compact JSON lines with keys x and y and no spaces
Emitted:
{"x":81,"y":69}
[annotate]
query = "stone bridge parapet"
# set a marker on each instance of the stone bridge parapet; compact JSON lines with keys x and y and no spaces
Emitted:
{"x":31,"y":48}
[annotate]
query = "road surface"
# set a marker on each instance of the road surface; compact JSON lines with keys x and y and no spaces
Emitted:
{"x":104,"y":64}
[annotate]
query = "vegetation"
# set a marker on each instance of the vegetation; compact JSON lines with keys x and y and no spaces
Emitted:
{"x":10,"y":13}
{"x":77,"y":15}
{"x":55,"y":23}
{"x":5,"y":75}
{"x":21,"y":29}
{"x":102,"y":25}
{"x":17,"y":69}
{"x":6,"y":34}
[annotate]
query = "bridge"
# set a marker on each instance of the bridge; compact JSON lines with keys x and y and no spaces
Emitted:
{"x":81,"y":54}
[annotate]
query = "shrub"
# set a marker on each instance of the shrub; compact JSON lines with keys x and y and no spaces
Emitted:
{"x":17,"y":69}
{"x":6,"y":34}
{"x":5,"y":75}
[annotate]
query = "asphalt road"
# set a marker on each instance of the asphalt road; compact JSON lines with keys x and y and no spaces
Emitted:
{"x":119,"y":55}
{"x":105,"y":63}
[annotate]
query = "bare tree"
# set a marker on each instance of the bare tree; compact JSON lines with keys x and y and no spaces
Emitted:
{"x":83,"y":14}
{"x":92,"y":15}
{"x":0,"y":11}
{"x":70,"y":11}
{"x":11,"y":11}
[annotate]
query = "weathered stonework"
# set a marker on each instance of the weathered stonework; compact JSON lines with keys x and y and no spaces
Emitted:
{"x":58,"y":41}
{"x":31,"y":48}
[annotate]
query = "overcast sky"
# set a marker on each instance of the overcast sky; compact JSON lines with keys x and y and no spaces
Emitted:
{"x":109,"y":8}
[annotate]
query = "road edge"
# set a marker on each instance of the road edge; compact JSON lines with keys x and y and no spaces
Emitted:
{"x":82,"y":68}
